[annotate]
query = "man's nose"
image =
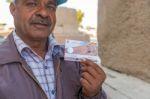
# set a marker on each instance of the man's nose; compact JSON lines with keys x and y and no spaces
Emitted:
{"x":42,"y":11}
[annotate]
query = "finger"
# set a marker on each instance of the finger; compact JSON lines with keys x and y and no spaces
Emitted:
{"x":90,"y":70}
{"x":84,"y":61}
{"x":89,"y":78}
{"x":99,"y":71}
{"x":88,"y":62}
{"x":92,"y":76}
{"x":82,"y":64}
{"x":87,"y":89}
{"x":85,"y":84}
{"x":97,"y":76}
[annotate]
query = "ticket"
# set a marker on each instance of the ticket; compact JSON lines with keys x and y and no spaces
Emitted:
{"x":77,"y":50}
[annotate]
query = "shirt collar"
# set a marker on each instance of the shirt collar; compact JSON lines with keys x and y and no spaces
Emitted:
{"x":21,"y":45}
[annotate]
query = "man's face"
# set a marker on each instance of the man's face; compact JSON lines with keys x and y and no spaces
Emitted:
{"x":34,"y":19}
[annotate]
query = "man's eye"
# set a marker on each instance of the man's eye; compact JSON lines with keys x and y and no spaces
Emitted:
{"x":51,"y":7}
{"x":32,"y":4}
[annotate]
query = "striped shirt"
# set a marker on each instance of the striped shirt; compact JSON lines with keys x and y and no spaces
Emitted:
{"x":43,"y":69}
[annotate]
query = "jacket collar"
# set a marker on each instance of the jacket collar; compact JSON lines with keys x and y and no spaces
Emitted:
{"x":9,"y":52}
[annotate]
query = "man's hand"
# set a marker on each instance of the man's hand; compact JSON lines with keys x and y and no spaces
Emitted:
{"x":92,"y":78}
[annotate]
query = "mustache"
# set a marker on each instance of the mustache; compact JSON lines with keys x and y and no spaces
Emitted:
{"x":40,"y":20}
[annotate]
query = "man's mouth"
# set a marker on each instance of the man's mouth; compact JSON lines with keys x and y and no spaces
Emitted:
{"x":41,"y":24}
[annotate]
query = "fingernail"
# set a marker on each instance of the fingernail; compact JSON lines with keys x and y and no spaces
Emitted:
{"x":81,"y":79}
{"x":83,"y":60}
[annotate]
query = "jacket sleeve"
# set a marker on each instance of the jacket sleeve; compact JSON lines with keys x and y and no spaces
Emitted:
{"x":100,"y":95}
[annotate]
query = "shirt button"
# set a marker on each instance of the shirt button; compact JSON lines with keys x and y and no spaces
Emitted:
{"x":45,"y":67}
{"x":53,"y":92}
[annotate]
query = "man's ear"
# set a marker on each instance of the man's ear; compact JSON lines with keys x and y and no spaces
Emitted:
{"x":12,"y":8}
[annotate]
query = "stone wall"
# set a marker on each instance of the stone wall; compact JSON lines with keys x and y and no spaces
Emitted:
{"x":67,"y":26}
{"x":66,"y":21}
{"x":124,"y":35}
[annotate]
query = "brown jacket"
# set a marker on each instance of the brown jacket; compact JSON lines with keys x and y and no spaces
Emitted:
{"x":18,"y":82}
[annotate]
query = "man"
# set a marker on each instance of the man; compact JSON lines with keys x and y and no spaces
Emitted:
{"x":32,"y":65}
